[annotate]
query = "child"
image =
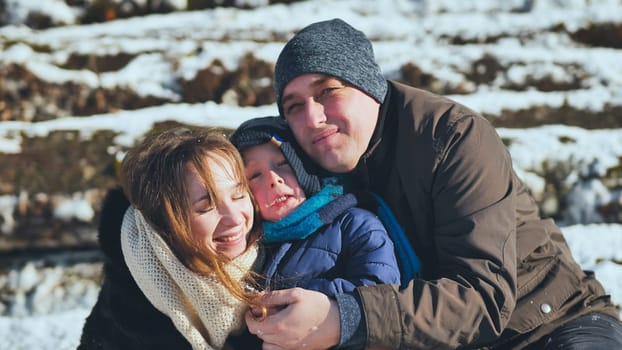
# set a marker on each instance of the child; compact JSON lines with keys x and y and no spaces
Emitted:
{"x":315,"y":236}
{"x":189,"y":241}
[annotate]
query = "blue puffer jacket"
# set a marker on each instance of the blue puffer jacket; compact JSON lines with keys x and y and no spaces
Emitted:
{"x":352,"y":249}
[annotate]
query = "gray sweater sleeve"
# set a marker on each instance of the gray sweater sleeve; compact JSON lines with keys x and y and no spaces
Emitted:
{"x":353,"y":331}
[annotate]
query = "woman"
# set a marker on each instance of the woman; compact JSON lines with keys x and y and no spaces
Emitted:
{"x":179,"y":270}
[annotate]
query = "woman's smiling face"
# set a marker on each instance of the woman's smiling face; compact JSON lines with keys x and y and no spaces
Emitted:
{"x":224,"y":224}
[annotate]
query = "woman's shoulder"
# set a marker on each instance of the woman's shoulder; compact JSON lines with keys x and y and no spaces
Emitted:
{"x":113,"y":209}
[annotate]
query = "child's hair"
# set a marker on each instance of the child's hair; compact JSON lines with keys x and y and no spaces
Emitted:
{"x":152,"y":177}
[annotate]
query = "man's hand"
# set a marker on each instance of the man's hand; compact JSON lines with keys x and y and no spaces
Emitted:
{"x":297,"y":319}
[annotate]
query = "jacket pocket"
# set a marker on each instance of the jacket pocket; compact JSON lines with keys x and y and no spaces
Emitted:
{"x":547,"y":289}
{"x":531,"y":237}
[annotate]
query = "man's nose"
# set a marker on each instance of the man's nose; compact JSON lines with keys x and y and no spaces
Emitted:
{"x":314,"y":114}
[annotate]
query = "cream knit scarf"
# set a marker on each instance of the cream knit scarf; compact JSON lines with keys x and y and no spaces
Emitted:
{"x":201,"y":308}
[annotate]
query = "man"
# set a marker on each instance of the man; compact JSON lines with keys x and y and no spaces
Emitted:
{"x":495,"y":275}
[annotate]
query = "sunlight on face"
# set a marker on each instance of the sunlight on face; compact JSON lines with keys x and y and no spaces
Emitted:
{"x":223,"y":226}
{"x":272,"y":180}
{"x":332,"y":121}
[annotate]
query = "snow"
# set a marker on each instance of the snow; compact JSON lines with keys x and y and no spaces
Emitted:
{"x":58,"y":331}
{"x":17,"y":10}
{"x":7,"y":205}
{"x":396,"y":27}
{"x":74,"y":208}
{"x":133,"y":124}
{"x":600,"y":149}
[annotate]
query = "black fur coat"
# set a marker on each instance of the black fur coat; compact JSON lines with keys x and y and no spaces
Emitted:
{"x":123,"y":318}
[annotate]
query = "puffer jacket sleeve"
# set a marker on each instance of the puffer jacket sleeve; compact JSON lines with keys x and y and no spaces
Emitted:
{"x":470,"y":297}
{"x":367,"y":255}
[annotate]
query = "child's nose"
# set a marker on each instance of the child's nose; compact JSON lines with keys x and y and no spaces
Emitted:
{"x":275,"y":179}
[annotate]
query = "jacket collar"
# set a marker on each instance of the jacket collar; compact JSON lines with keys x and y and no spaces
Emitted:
{"x":376,"y":138}
{"x":314,"y":213}
{"x":378,"y":150}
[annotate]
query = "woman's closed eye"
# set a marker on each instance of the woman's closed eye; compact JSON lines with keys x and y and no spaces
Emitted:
{"x":239,"y":195}
{"x":202,"y":209}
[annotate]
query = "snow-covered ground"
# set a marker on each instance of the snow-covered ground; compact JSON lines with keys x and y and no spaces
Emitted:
{"x":403,"y":31}
{"x":48,"y":332}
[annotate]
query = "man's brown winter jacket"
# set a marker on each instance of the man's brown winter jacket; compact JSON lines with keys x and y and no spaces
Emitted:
{"x":495,"y":273}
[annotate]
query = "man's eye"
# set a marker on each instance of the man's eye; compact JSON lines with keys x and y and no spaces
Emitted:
{"x":283,"y":163}
{"x":328,"y":90}
{"x":292,"y":108}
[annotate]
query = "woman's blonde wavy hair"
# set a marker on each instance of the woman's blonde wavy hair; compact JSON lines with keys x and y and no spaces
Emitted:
{"x":152,"y":176}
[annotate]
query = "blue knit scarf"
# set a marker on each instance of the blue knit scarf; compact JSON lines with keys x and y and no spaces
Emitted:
{"x":317,"y":211}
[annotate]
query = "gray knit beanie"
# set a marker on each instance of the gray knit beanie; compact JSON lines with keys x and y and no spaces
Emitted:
{"x":258,"y":131}
{"x":333,"y":48}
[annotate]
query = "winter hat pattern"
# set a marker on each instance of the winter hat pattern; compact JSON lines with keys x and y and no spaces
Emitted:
{"x":258,"y":131}
{"x":334,"y":48}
